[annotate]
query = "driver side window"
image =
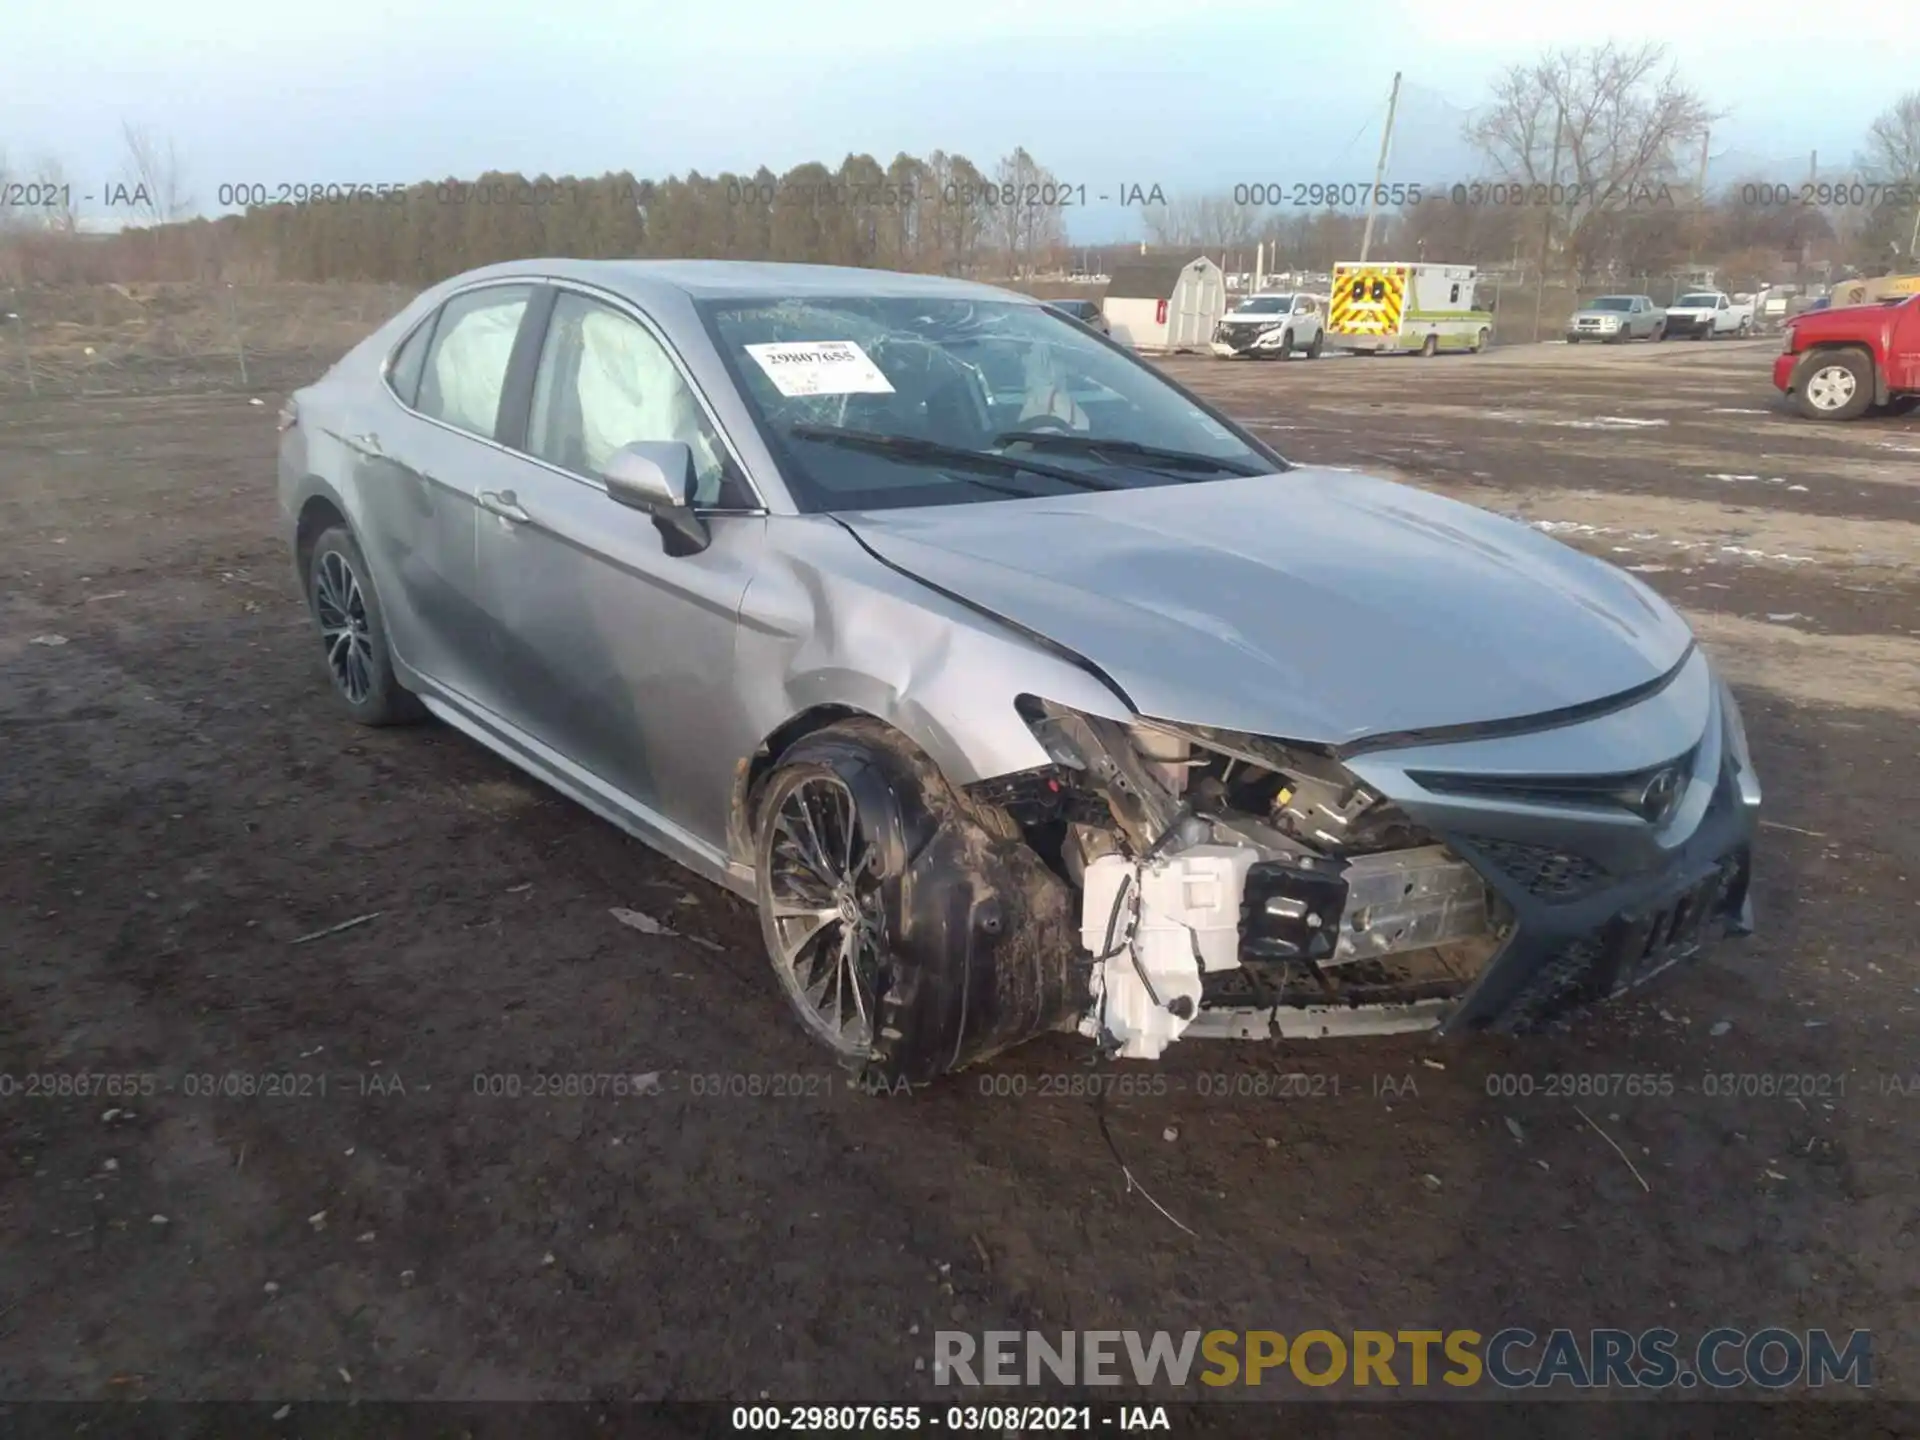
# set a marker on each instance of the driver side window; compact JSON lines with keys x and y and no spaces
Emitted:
{"x":604,"y":382}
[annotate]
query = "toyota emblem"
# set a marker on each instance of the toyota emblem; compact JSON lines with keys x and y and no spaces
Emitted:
{"x":1657,"y":800}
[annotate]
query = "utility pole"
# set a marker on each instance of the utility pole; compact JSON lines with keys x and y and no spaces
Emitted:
{"x":1699,"y":199}
{"x":1380,"y":170}
{"x":1546,"y":228}
{"x":1800,"y":270}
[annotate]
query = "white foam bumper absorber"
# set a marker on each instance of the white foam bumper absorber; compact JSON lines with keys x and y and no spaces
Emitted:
{"x":1179,"y":917}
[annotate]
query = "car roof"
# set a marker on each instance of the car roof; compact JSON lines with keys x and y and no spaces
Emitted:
{"x":738,"y":279}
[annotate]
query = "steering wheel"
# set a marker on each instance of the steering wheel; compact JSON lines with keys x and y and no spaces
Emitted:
{"x":1046,"y":425}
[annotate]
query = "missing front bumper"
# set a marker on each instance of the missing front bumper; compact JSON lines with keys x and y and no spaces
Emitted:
{"x":1219,"y":940}
{"x":1402,"y":941}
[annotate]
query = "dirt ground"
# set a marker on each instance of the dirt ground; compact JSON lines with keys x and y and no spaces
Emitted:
{"x":181,"y":806}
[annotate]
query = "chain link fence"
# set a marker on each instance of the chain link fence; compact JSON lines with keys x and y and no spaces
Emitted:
{"x":1527,"y":311}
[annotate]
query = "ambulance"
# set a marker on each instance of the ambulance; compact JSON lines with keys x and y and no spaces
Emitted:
{"x":1382,"y":308}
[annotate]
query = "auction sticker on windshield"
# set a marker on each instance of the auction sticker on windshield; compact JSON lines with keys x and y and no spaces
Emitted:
{"x":821,"y":367}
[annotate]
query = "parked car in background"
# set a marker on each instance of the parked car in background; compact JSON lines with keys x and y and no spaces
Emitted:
{"x":1707,"y":315}
{"x":1272,"y":327}
{"x":1018,"y":687}
{"x":1617,"y":317}
{"x":1087,"y":312}
{"x":1838,"y":364}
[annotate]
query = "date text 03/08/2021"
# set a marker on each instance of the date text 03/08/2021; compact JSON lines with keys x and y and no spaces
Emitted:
{"x":996,"y":1420}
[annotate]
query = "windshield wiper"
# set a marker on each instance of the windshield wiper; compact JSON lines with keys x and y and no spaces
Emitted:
{"x":932,"y":452}
{"x":1095,"y":446}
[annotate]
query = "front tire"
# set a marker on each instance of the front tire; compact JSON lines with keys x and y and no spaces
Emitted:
{"x":911,"y":930}
{"x":353,"y":630}
{"x":1480,"y":340}
{"x":1834,"y":385}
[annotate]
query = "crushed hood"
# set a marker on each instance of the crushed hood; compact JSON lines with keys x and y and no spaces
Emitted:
{"x":1314,"y":605}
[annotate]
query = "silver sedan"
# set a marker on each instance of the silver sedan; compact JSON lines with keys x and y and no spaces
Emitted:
{"x":1019,"y":688}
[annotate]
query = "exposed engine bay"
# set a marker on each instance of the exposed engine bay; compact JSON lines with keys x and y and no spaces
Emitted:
{"x":1236,"y":887}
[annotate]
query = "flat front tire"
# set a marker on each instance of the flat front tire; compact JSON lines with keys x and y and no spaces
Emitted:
{"x":353,"y":632}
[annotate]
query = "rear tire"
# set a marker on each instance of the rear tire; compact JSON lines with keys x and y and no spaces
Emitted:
{"x":1319,"y":343}
{"x":353,"y":630}
{"x":1430,"y":346}
{"x":1833,"y":385}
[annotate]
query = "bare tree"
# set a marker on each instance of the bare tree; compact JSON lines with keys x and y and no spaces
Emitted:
{"x":56,"y":212}
{"x":1597,"y":129}
{"x":1208,"y":222}
{"x":1893,"y":157}
{"x":155,"y":175}
{"x":1025,"y":221}
{"x":12,"y":217}
{"x":1893,"y":141}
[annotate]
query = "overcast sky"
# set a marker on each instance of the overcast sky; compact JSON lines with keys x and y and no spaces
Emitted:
{"x":1193,"y":95}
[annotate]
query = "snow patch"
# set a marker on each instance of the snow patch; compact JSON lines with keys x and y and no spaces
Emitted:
{"x":1609,"y":422}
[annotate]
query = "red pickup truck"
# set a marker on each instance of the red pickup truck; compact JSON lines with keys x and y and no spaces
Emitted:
{"x":1837,"y":364}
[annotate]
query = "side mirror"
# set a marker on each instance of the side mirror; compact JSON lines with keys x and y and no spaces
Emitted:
{"x":656,"y":477}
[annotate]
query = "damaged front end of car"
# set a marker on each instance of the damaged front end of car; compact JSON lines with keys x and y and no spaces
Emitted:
{"x":1239,"y":887}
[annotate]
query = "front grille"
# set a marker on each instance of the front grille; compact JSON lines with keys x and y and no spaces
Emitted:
{"x":1240,"y":336}
{"x":1543,"y":872}
{"x":1630,"y":950}
{"x":1563,"y":985}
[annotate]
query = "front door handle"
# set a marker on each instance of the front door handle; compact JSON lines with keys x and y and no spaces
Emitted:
{"x":367,"y":444}
{"x":504,"y":504}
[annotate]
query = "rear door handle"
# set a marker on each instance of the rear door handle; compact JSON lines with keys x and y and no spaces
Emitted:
{"x":368,"y":443}
{"x":504,"y":504}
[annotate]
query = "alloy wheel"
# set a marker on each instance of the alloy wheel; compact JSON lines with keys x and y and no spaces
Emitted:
{"x":1830,"y":387}
{"x":828,"y":930}
{"x":342,"y":611}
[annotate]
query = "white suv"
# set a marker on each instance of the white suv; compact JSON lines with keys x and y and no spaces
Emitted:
{"x":1272,"y":326}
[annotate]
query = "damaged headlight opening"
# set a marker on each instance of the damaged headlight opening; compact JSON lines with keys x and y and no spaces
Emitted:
{"x":1242,"y":887}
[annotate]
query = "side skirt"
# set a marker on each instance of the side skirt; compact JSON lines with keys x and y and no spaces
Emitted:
{"x":588,"y":790}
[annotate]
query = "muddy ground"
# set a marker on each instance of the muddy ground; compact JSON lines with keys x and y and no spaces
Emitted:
{"x":180,"y":804}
